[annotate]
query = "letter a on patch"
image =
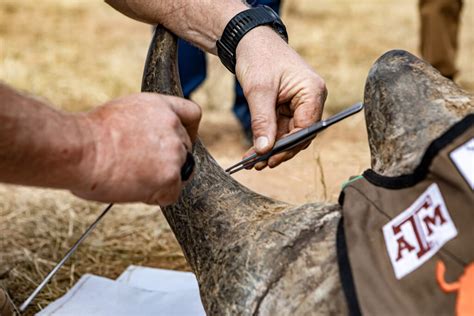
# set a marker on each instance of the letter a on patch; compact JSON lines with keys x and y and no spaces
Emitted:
{"x":417,"y":233}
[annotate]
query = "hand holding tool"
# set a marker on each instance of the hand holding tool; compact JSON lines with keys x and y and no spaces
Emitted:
{"x":186,"y":171}
{"x":295,"y":139}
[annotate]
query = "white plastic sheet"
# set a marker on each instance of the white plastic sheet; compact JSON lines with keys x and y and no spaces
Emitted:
{"x":138,"y":291}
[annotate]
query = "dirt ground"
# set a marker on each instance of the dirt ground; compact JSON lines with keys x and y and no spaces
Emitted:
{"x":78,"y":54}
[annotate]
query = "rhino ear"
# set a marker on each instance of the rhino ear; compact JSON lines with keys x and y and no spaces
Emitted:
{"x":408,"y":105}
{"x":161,"y":67}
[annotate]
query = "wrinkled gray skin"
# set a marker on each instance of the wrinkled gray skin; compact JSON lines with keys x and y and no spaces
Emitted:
{"x":256,"y":256}
{"x":409,"y":104}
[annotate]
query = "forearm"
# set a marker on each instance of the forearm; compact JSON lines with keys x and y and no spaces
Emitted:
{"x":39,"y":145}
{"x":198,"y":21}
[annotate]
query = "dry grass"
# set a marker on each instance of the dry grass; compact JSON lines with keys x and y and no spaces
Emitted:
{"x":38,"y":226}
{"x":78,"y":54}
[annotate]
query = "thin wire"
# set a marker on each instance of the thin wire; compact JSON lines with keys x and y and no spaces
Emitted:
{"x":64,"y":259}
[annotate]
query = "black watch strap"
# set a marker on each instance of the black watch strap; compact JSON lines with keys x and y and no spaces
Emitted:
{"x":240,"y":25}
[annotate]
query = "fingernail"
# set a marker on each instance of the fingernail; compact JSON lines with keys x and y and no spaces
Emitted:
{"x":260,"y":165}
{"x":261,"y":143}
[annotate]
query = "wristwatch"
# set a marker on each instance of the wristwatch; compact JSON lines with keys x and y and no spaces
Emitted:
{"x":240,"y":25}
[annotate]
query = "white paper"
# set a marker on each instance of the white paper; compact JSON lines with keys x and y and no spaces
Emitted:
{"x":417,"y":233}
{"x":159,"y":279}
{"x":463,"y":158}
{"x":99,"y":296}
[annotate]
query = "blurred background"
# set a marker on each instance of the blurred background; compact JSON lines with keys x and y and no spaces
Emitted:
{"x":79,"y":54}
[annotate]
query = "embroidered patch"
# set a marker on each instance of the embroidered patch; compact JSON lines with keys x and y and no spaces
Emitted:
{"x":416,"y":234}
{"x":463,"y":159}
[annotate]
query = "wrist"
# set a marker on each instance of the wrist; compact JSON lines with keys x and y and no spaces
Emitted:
{"x":261,"y":41}
{"x":84,"y":171}
{"x":224,"y":12}
{"x":227,"y":12}
{"x":59,"y":152}
{"x":206,"y":20}
{"x":240,"y":26}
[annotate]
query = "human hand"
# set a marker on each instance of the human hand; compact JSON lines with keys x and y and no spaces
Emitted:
{"x":283,"y":92}
{"x":140,"y":144}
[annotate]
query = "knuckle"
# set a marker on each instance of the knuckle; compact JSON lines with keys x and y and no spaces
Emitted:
{"x":257,"y":87}
{"x":259,"y":121}
{"x":174,"y":148}
{"x":320,"y":83}
{"x":174,"y":121}
{"x":178,"y":148}
{"x":149,"y":100}
{"x":321,"y":88}
{"x":151,"y":96}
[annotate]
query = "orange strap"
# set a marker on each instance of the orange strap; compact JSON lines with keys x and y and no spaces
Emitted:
{"x":464,"y":286}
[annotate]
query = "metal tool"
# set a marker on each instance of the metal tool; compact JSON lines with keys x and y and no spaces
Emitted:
{"x":295,"y":139}
{"x":186,"y":172}
{"x":58,"y":266}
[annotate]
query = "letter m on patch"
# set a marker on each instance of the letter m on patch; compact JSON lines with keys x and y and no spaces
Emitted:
{"x":418,"y":232}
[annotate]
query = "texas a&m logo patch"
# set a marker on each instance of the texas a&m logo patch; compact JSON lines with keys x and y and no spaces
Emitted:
{"x":416,"y":234}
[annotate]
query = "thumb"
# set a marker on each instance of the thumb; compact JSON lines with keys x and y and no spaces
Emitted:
{"x":262,"y":105}
{"x":188,"y":112}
